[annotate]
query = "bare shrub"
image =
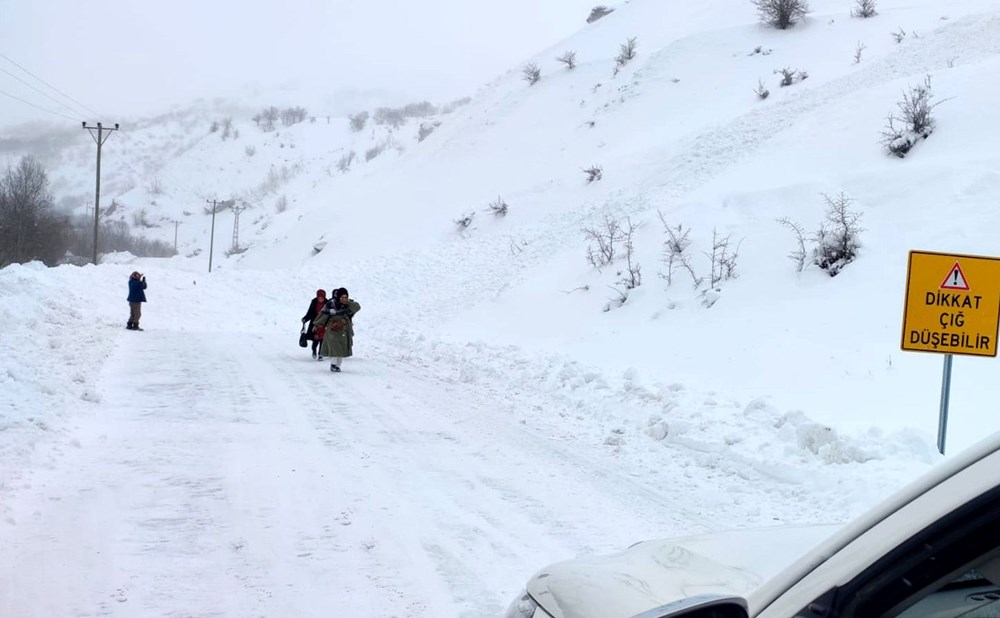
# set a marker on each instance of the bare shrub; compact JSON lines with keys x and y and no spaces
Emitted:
{"x":358,"y":121}
{"x":389,"y":116}
{"x":250,"y":150}
{"x":214,"y":127}
{"x":799,"y":254}
{"x":594,"y":173}
{"x":781,"y":13}
{"x":790,"y":76}
{"x":281,"y":204}
{"x":344,"y":164}
{"x":375,"y":150}
{"x":606,"y":238}
{"x":139,"y":219}
{"x":568,"y":59}
{"x":464,"y":222}
{"x":227,"y":128}
{"x":674,"y":255}
{"x":761,"y":90}
{"x":837,"y":241}
{"x":155,"y":187}
{"x":426,"y":128}
{"x":864,"y":9}
{"x":722,"y":258}
{"x":914,"y":122}
{"x":531,"y":74}
{"x":898,"y":35}
{"x":598,"y":12}
{"x":626,"y":52}
{"x":631,"y":277}
{"x":499,"y":207}
{"x":857,"y":52}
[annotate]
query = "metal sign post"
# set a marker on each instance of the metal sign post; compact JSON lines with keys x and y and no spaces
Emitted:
{"x":945,"y":395}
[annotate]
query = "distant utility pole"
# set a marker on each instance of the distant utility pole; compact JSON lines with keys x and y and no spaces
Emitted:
{"x":211,"y":244}
{"x":100,"y":138}
{"x":236,"y":226}
{"x":176,"y":223}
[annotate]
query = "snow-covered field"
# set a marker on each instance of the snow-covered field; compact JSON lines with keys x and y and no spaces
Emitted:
{"x":502,"y":411}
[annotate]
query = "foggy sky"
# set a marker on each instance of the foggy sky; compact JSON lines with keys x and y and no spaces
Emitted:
{"x":128,"y":57}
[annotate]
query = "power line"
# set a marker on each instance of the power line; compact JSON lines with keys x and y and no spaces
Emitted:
{"x":40,"y":91}
{"x":49,"y":111}
{"x":82,"y":106}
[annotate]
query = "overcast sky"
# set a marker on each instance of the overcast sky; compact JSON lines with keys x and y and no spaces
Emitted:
{"x":123,"y":57}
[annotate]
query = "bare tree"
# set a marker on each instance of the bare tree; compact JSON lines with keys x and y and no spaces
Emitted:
{"x":864,"y":9}
{"x":268,"y":116}
{"x":568,"y":59}
{"x":781,"y":13}
{"x":598,"y":12}
{"x":606,"y":238}
{"x":29,"y":230}
{"x":799,"y":254}
{"x":531,"y":74}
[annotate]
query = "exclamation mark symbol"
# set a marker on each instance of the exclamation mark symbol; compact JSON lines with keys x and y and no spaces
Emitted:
{"x":955,"y":282}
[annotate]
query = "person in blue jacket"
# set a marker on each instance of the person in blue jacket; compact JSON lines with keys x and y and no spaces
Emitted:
{"x":136,"y":296}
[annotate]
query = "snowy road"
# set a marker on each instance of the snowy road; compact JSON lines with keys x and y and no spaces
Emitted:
{"x":244,"y":479}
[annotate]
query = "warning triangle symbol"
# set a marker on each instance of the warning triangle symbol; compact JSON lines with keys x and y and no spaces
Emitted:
{"x":956,"y":279}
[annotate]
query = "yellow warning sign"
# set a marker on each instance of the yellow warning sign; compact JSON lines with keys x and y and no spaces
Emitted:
{"x":952,"y":304}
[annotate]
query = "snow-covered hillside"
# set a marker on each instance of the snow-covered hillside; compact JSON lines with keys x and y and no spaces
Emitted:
{"x":505,"y":384}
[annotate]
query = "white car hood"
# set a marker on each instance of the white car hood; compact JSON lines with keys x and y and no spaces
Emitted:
{"x":653,"y":573}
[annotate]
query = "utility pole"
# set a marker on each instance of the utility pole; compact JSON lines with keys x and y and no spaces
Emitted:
{"x":100,"y":138}
{"x":176,"y":223}
{"x":236,"y":226}
{"x":211,"y":243}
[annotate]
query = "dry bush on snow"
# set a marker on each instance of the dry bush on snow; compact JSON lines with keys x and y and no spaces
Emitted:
{"x":914,"y":122}
{"x":358,"y":121}
{"x":674,"y":252}
{"x":761,"y":90}
{"x":499,"y":207}
{"x":594,"y":173}
{"x":568,"y":59}
{"x":598,"y":12}
{"x":281,"y":204}
{"x":531,"y":74}
{"x":857,"y":52}
{"x":344,"y":164}
{"x":837,"y":241}
{"x":606,"y":238}
{"x":781,"y":13}
{"x":864,"y":9}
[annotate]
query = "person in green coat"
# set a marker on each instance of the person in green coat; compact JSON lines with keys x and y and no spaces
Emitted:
{"x":337,"y":318}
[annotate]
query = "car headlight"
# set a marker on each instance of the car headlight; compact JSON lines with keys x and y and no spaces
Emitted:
{"x":525,"y":607}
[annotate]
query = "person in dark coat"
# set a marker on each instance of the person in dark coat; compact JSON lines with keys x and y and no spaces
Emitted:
{"x":337,"y":318}
{"x":315,"y":306}
{"x":136,"y":296}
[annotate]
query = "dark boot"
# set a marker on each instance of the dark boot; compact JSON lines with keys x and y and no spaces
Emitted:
{"x":130,"y":326}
